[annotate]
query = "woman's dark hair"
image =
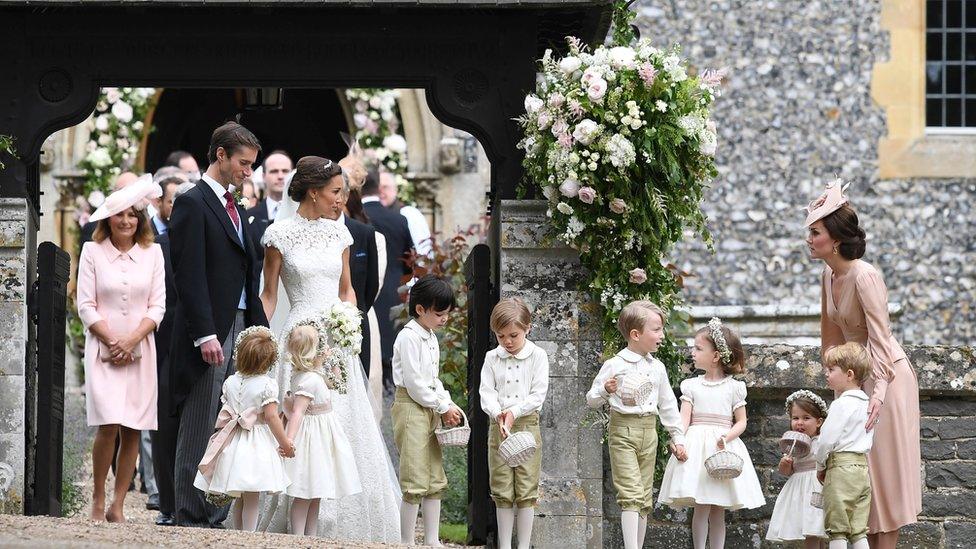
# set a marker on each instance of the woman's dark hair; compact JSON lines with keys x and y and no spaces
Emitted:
{"x":354,"y":206}
{"x":842,"y":226}
{"x":144,"y":234}
{"x":231,"y":137}
{"x":431,"y":292}
{"x":311,"y":172}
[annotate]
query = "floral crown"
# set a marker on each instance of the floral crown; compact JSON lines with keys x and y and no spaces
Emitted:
{"x":314,"y":322}
{"x":812,"y":397}
{"x":248,"y":332}
{"x":722,"y":346}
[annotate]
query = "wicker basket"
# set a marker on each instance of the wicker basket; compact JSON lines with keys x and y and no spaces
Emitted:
{"x":816,"y":499}
{"x":454,"y":436}
{"x":724,"y":465}
{"x":634,"y":389}
{"x":219,"y":500}
{"x":517,"y":448}
{"x":795,"y":444}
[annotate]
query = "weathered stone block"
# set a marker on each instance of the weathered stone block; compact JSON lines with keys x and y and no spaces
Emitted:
{"x":13,"y":326}
{"x":12,"y":404}
{"x":949,"y":503}
{"x":12,"y":473}
{"x":948,"y":428}
{"x":921,"y":534}
{"x":563,"y":413}
{"x":542,"y":269}
{"x":563,"y":357}
{"x":960,"y":535}
{"x":12,"y":234}
{"x":948,"y":407}
{"x":753,"y":515}
{"x":966,"y":449}
{"x":562,"y":496}
{"x":558,"y":531}
{"x":559,"y":315}
{"x":938,"y":450}
{"x":672,"y":536}
{"x":743,"y":536}
{"x":13,"y":277}
{"x":949,"y":474}
{"x":764,"y":451}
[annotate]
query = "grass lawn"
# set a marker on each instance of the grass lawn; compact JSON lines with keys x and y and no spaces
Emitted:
{"x":454,"y":533}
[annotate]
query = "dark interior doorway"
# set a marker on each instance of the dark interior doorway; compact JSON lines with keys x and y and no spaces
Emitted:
{"x":308,"y":123}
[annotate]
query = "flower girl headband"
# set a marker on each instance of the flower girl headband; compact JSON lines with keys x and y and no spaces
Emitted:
{"x":722,"y":346}
{"x":827,"y":203}
{"x":813,"y":397}
{"x":246,"y":332}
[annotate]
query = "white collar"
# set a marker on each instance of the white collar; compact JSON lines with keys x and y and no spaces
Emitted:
{"x":370,"y":198}
{"x":856,"y":393}
{"x":631,"y":356}
{"x":425,"y":334}
{"x":523,"y":354}
{"x":217,"y":188}
{"x":342,"y":218}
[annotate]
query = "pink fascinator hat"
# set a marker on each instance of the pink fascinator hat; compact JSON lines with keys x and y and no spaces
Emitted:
{"x":829,"y":202}
{"x":134,"y":195}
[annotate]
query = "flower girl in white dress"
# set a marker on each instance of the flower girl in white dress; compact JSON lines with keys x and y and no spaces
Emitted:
{"x":794,"y":518}
{"x":713,"y":409}
{"x":324,"y":464}
{"x":242,"y":458}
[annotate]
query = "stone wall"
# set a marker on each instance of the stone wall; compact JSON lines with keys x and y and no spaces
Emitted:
{"x":797,"y":111}
{"x":13,"y":341}
{"x":947,"y":380}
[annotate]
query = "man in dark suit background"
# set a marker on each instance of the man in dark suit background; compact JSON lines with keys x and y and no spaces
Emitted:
{"x":364,"y":272}
{"x":217,"y":298}
{"x":276,"y":168}
{"x":393,"y":226}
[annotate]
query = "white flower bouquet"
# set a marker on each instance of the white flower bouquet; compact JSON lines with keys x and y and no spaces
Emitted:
{"x":344,"y":326}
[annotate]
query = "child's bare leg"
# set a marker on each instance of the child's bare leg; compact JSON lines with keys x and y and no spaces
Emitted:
{"x":312,"y":520}
{"x":249,"y":511}
{"x":716,"y":527}
{"x":238,"y":508}
{"x":299,"y":514}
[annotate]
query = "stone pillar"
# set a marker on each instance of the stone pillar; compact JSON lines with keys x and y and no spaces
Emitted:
{"x":14,"y":285}
{"x":547,"y":275}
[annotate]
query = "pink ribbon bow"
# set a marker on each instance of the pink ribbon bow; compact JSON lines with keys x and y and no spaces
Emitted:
{"x":227,"y":422}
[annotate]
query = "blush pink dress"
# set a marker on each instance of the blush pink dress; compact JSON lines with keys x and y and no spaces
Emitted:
{"x":121,"y":289}
{"x":894,"y":463}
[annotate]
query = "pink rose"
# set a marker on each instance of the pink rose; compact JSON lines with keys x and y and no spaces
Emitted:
{"x":569,"y":188}
{"x":587,"y":195}
{"x":618,"y":206}
{"x":638,"y":276}
{"x":597,"y":89}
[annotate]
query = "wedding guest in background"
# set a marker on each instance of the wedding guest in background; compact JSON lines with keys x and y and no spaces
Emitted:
{"x":184,"y":161}
{"x":276,"y":168}
{"x":416,"y":222}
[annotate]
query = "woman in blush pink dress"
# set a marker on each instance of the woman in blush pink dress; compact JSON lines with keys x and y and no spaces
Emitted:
{"x":121,"y":300}
{"x":854,"y":307}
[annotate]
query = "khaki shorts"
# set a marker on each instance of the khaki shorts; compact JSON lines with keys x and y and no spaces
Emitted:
{"x":517,"y":486}
{"x":847,"y":496}
{"x":421,"y":463}
{"x":633,"y":451}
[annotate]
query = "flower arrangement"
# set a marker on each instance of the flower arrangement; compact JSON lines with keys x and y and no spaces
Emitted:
{"x":343,"y":323}
{"x":620,"y":141}
{"x":378,"y":132}
{"x":113,"y":145}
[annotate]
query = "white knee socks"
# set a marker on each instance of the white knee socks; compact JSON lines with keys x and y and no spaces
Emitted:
{"x":629,"y":521}
{"x":249,"y":511}
{"x":312,"y":522}
{"x":699,"y":526}
{"x":299,"y":514}
{"x":839,"y":544}
{"x":641,"y":530}
{"x":716,"y":527}
{"x":526,"y":516}
{"x":860,"y":544}
{"x":432,"y":522}
{"x":408,"y":522}
{"x":506,"y":522}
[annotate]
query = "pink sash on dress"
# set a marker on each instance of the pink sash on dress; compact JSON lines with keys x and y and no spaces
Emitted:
{"x":227,"y":422}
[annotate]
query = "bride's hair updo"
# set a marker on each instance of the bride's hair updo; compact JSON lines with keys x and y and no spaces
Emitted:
{"x":311,"y":172}
{"x":842,"y":225}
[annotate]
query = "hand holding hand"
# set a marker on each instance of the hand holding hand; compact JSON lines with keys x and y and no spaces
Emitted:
{"x":679,"y":452}
{"x":289,"y":451}
{"x":611,"y":385}
{"x":212,"y":352}
{"x":786,"y":466}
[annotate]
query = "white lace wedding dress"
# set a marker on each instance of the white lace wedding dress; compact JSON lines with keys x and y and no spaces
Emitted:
{"x":311,"y":266}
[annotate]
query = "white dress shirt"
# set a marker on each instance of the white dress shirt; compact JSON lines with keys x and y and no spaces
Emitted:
{"x":272,"y":205}
{"x":419,"y":229}
{"x":220,"y":191}
{"x":416,"y":367}
{"x":843,"y":430}
{"x":662,"y":402}
{"x":516,"y":382}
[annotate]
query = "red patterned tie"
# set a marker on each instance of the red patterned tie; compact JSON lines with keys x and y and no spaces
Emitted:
{"x":232,"y":210}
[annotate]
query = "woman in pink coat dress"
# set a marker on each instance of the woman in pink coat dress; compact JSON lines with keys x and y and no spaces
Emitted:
{"x":121,"y":300}
{"x":854,"y":307}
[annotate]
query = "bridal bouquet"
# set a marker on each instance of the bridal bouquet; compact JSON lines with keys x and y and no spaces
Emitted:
{"x":344,"y":324}
{"x":620,"y":141}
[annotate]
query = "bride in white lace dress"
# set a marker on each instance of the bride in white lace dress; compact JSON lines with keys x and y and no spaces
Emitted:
{"x":308,"y":249}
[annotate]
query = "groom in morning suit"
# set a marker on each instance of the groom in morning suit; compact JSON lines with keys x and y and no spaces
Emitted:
{"x":214,"y":269}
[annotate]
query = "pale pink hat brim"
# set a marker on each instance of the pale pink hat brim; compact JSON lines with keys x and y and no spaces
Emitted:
{"x":827,"y":203}
{"x":136,"y":194}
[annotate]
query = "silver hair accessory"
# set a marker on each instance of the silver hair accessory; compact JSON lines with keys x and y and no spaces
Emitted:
{"x":722,"y":346}
{"x":811,"y":396}
{"x":328,"y":164}
{"x":253,"y":330}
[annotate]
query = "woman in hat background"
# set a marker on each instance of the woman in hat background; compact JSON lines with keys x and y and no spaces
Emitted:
{"x":121,"y":300}
{"x":854,"y":307}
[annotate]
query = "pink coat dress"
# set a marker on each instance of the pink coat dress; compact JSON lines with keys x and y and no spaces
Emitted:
{"x":121,"y":289}
{"x":894,"y":462}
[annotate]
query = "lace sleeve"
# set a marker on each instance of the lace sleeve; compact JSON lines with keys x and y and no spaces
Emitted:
{"x":272,"y":237}
{"x":345,"y":237}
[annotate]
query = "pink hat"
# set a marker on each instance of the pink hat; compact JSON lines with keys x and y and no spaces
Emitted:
{"x":829,"y":202}
{"x":134,"y":195}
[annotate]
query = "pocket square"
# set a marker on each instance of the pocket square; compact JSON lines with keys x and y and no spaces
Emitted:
{"x":360,"y":254}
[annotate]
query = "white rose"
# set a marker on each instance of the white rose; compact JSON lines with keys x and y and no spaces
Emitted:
{"x":122,"y":111}
{"x":533,"y":104}
{"x":96,"y":199}
{"x":101,"y":123}
{"x":622,"y":57}
{"x":112,"y":95}
{"x":569,"y":188}
{"x":589,"y":75}
{"x":597,"y":89}
{"x":564,"y":208}
{"x":104,"y":139}
{"x":585,"y":131}
{"x":375,"y":102}
{"x":395,"y":143}
{"x":359,"y":119}
{"x":137,"y":126}
{"x":544,"y":120}
{"x":570,"y":64}
{"x":99,"y":158}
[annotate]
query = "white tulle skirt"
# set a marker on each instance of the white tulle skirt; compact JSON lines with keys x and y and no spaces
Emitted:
{"x":324,"y":465}
{"x":249,"y":463}
{"x":793,"y":516}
